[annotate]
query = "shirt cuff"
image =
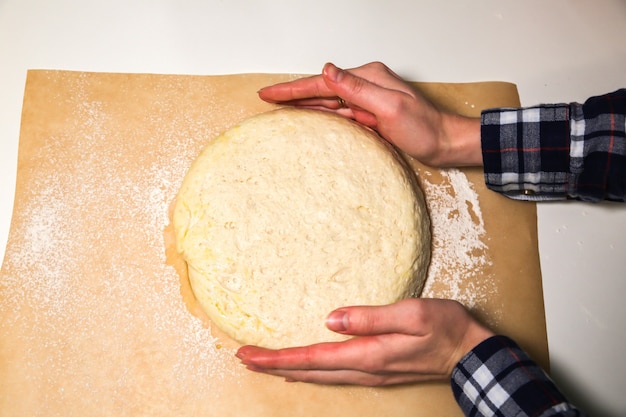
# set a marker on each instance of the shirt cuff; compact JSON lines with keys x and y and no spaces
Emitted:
{"x":526,"y":151}
{"x":497,"y":378}
{"x":598,"y":148}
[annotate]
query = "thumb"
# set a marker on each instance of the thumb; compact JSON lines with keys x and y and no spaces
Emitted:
{"x":364,"y":97}
{"x":406,"y":317}
{"x":350,"y":87}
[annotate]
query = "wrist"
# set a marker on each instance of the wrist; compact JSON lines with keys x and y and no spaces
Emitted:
{"x":475,"y":335}
{"x":462,"y":138}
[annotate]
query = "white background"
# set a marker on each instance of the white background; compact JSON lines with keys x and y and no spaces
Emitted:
{"x":554,"y":51}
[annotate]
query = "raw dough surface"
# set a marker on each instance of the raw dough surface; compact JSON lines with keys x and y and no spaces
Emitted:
{"x":294,"y":213}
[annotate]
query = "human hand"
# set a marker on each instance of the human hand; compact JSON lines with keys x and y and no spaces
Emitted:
{"x":375,"y":96}
{"x":413,"y":340}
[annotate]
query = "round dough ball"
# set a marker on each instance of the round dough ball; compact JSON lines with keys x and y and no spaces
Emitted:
{"x":292,"y":214}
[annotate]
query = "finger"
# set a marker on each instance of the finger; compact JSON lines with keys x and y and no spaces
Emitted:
{"x":335,"y":106}
{"x":302,"y":88}
{"x":381,"y":75}
{"x":333,"y":377}
{"x":362,"y":116}
{"x":404,"y":317}
{"x":347,"y":377}
{"x":316,"y":86}
{"x":332,"y":103}
{"x":348,"y":354}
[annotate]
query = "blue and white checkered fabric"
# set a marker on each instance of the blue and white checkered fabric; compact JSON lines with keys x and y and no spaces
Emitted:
{"x":558,"y":151}
{"x":498,"y":379}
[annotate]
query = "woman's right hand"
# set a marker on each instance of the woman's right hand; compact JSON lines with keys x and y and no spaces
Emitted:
{"x":376,"y":97}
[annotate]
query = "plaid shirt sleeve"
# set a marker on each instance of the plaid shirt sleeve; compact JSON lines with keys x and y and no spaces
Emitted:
{"x":497,"y":379}
{"x":558,"y":151}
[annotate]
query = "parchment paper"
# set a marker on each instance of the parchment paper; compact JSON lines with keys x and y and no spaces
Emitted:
{"x":96,"y":315}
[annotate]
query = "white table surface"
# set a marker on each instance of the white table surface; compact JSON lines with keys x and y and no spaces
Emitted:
{"x":554,"y":51}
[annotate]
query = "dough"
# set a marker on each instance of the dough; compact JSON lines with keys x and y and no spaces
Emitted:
{"x":292,"y":214}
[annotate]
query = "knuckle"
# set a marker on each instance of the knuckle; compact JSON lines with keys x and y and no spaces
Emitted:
{"x":308,"y":356}
{"x":357,"y":84}
{"x":366,"y":322}
{"x":395,"y":104}
{"x":377,"y":361}
{"x":379,"y":66}
{"x":378,"y":380}
{"x":368,"y":365}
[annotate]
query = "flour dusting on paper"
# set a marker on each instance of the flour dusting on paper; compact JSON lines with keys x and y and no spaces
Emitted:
{"x":459,"y":249}
{"x":109,"y":204}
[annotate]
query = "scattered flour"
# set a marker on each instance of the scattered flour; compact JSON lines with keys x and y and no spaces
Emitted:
{"x":85,"y":200}
{"x":459,"y":252}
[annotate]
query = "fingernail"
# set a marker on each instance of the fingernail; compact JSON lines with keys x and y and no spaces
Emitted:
{"x":333,"y":73}
{"x":337,"y":321}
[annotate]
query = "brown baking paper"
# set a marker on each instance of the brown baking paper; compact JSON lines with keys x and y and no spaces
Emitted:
{"x":96,"y":314}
